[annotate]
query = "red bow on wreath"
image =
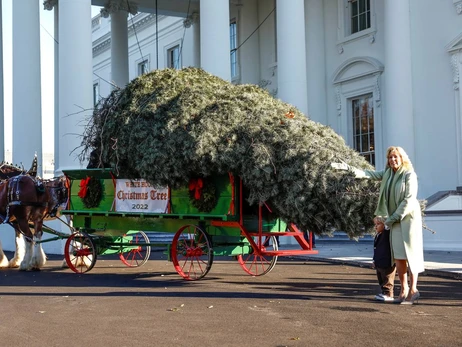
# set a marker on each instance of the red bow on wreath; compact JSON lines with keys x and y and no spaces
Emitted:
{"x":83,"y":187}
{"x":196,"y":185}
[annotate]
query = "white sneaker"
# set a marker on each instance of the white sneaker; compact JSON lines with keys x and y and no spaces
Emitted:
{"x":387,"y":298}
{"x":382,"y":297}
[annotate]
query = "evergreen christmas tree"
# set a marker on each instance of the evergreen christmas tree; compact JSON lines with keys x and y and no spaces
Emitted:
{"x":169,"y":126}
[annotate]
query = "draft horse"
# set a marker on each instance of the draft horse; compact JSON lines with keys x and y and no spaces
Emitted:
{"x":25,"y":199}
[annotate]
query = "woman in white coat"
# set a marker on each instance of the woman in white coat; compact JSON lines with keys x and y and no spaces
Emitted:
{"x":399,"y":206}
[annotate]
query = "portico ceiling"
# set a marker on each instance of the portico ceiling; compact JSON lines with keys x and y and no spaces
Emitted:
{"x":177,"y":8}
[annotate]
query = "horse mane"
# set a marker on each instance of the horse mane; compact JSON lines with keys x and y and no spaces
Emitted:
{"x":8,"y":170}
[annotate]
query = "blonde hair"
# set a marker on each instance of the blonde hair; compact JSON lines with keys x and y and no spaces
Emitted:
{"x":379,"y":219}
{"x":404,"y":157}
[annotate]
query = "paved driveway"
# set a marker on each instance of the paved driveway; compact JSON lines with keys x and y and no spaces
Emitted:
{"x":299,"y":303}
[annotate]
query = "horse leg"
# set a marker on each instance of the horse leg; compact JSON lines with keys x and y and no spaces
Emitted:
{"x":3,"y":258}
{"x":38,"y":258}
{"x":23,"y":226}
{"x":20,"y":250}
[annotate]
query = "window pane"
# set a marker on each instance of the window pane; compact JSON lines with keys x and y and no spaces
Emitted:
{"x":365,"y":143}
{"x":354,"y":8}
{"x":354,"y":25}
{"x":362,"y":21}
{"x":173,"y":57}
{"x":362,"y":6}
{"x":363,"y":126}
{"x":233,"y":47}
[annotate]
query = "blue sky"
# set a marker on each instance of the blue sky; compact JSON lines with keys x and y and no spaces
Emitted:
{"x":47,"y":69}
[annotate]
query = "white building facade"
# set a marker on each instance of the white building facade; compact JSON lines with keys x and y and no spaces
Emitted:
{"x":379,"y":72}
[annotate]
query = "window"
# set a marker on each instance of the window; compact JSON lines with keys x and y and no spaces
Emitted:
{"x":356,"y":20}
{"x":96,"y":95}
{"x":233,"y":47}
{"x":173,"y":57}
{"x":143,"y":67}
{"x":363,"y":127}
{"x":360,"y":14}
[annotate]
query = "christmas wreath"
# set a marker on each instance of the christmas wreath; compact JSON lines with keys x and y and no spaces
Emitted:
{"x":202,"y":194}
{"x":91,"y":192}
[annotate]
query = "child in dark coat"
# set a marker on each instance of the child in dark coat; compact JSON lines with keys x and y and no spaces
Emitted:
{"x":383,"y":263}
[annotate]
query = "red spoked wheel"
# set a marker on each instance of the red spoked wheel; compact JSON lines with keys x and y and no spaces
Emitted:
{"x":80,"y":252}
{"x":139,"y":254}
{"x":192,"y":254}
{"x":259,"y":265}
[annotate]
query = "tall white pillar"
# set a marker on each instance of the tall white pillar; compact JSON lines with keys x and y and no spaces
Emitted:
{"x":75,"y":78}
{"x":247,"y":22}
{"x":27,"y":100}
{"x":316,"y":61}
{"x":399,"y":112}
{"x":2,"y":116}
{"x":191,"y":43}
{"x":56,"y":99}
{"x":291,"y":53}
{"x":214,"y":31}
{"x":119,"y":48}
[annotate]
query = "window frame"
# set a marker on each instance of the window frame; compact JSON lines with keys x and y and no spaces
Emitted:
{"x":350,"y":16}
{"x":234,"y":64}
{"x":353,"y":78}
{"x":344,"y":34}
{"x":96,"y":92}
{"x":361,"y":134}
{"x":168,"y":50}
{"x":140,"y":63}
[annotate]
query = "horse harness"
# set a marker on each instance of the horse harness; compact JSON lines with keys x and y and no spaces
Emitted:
{"x":14,"y":195}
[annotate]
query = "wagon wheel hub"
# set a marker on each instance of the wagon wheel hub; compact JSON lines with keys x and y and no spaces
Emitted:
{"x":85,"y":252}
{"x":194,"y":252}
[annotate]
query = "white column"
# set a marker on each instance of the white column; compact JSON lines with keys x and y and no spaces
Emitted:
{"x":196,"y":40}
{"x":119,"y":48}
{"x":2,"y":116}
{"x":316,"y":61}
{"x":75,"y":78}
{"x":191,"y":43}
{"x":214,"y":31}
{"x":27,"y":102}
{"x":56,"y":115}
{"x":399,"y":112}
{"x":250,"y":51}
{"x":291,"y":53}
{"x":456,"y":64}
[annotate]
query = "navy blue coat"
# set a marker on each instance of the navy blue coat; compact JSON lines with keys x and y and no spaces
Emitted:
{"x":382,"y":250}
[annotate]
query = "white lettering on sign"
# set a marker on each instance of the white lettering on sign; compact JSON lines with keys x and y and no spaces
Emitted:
{"x":140,"y":196}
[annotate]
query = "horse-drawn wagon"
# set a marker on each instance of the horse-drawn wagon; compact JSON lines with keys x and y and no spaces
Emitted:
{"x":114,"y":221}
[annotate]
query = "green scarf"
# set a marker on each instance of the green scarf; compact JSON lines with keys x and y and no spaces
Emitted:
{"x":382,"y":205}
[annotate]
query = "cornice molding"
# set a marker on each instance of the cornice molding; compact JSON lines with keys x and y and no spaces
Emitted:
{"x":141,"y":21}
{"x":113,"y":6}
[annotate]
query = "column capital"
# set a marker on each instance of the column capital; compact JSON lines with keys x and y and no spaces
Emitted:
{"x":191,"y":19}
{"x":458,"y":5}
{"x":119,"y":5}
{"x":49,"y":4}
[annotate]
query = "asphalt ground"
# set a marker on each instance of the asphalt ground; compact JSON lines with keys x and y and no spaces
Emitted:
{"x":299,"y":303}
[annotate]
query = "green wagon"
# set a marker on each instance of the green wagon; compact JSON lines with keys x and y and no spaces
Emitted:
{"x":118,"y":215}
